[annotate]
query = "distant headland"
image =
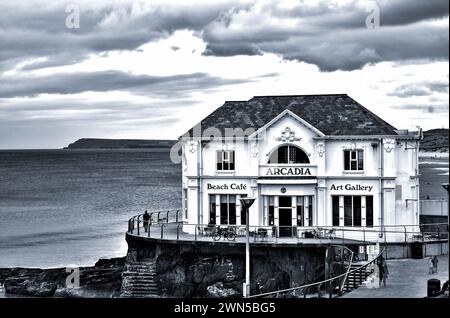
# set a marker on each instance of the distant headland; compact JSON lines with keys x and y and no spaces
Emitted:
{"x":97,"y":143}
{"x":435,"y":140}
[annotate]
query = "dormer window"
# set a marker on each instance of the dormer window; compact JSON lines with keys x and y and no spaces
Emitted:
{"x":225,"y":160}
{"x":354,"y":160}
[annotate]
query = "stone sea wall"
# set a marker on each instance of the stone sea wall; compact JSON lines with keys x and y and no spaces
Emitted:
{"x":218,"y":269}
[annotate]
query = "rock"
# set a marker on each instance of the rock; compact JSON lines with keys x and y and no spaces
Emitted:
{"x":218,"y":290}
{"x":102,"y":280}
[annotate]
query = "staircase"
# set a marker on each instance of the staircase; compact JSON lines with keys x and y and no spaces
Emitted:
{"x":356,"y":278}
{"x":139,"y":279}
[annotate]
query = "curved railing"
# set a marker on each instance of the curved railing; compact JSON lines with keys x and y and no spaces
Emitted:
{"x":316,"y":286}
{"x":155,"y":217}
{"x":166,"y":224}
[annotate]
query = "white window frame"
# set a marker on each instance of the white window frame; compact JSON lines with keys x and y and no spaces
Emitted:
{"x":226,"y":158}
{"x":356,"y":151}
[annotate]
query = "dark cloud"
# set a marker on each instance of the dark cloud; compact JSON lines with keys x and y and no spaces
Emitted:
{"x":37,"y":29}
{"x":73,"y":83}
{"x":420,"y":89}
{"x":334,"y":37}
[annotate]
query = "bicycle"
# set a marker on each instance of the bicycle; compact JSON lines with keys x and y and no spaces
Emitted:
{"x":228,"y":233}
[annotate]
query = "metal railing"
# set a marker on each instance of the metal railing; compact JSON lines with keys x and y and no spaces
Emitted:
{"x":155,"y":217}
{"x":315,"y":288}
{"x":166,"y":225}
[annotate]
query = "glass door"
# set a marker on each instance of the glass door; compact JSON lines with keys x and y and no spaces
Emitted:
{"x":285,"y":216}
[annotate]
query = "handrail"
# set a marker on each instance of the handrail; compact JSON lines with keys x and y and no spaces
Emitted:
{"x":339,"y":233}
{"x":317,"y":283}
{"x":348,"y":270}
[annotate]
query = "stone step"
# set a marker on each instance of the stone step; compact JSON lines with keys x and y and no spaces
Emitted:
{"x":141,"y":265}
{"x":139,"y":296}
{"x":139,"y":281}
{"x":141,"y":285}
{"x":143,"y":291}
{"x":144,"y":275}
{"x":143,"y":268}
{"x":140,"y":272}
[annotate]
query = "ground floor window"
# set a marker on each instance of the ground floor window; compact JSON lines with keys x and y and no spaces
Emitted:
{"x":212,"y":209}
{"x":335,"y":204}
{"x":271,"y":210}
{"x":353,"y":206}
{"x":185,"y":194}
{"x":369,"y":211}
{"x":227,"y":209}
{"x":300,"y":211}
{"x":310,"y":210}
{"x":304,"y":203}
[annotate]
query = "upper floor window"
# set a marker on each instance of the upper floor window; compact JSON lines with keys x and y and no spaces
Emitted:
{"x":289,"y":154}
{"x":225,"y":160}
{"x":354,"y":160}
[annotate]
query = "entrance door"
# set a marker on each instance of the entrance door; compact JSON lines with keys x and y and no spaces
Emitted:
{"x":285,"y":216}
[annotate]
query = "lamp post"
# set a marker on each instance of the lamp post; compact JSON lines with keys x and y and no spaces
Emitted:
{"x":445,"y":186}
{"x":247,"y":203}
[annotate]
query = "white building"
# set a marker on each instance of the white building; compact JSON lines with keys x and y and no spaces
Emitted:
{"x":310,"y":161}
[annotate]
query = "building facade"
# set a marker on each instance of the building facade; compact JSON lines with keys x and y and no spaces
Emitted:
{"x":310,"y":161}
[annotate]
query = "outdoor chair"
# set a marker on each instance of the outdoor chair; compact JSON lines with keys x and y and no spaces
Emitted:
{"x":331,"y":234}
{"x":208,"y":230}
{"x":261,"y":233}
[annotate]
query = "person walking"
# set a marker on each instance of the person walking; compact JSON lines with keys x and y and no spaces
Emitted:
{"x":146,"y":218}
{"x":435,"y":264}
{"x":430,"y":265}
{"x":382,"y":270}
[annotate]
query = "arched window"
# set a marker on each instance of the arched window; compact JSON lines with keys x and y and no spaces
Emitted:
{"x":289,"y":154}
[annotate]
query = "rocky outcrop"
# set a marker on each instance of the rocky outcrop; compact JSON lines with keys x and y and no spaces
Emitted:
{"x":102,"y":280}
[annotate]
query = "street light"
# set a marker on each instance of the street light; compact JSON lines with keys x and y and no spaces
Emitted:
{"x":247,"y":203}
{"x":445,"y":186}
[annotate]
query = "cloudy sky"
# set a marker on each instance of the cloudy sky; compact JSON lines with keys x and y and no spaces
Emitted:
{"x":152,"y":69}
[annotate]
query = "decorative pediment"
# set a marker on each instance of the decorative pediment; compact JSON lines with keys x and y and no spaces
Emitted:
{"x":288,"y":135}
{"x":389,"y":144}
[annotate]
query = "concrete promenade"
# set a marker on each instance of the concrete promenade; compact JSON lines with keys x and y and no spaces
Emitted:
{"x":407,"y":279}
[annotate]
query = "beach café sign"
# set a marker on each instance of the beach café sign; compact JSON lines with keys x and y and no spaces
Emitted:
{"x":287,"y":171}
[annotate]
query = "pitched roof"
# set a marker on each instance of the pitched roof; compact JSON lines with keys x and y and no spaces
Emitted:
{"x":333,"y":114}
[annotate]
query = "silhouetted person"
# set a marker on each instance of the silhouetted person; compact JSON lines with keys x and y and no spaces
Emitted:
{"x":430,"y":265}
{"x":435,"y":264}
{"x":146,"y":218}
{"x":383,"y":270}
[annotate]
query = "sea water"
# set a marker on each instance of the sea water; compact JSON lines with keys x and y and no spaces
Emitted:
{"x":70,"y":207}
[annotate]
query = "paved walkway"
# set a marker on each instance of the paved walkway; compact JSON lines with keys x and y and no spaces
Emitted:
{"x":408,"y":279}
